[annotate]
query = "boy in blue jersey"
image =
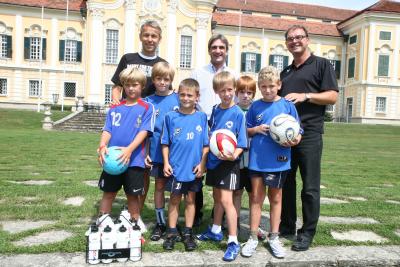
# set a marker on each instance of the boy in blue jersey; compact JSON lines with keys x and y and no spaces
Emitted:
{"x":127,"y":126}
{"x":164,"y":100}
{"x":269,"y":162}
{"x":184,"y":143}
{"x":223,"y":171}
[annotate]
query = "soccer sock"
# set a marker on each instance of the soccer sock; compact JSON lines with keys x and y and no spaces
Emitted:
{"x":254,"y":235}
{"x":160,"y":215}
{"x":272,"y":236}
{"x":172,"y":230}
{"x":233,"y":238}
{"x":216,"y":228}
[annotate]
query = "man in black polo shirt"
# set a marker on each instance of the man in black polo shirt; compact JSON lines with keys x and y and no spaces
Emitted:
{"x":310,"y":83}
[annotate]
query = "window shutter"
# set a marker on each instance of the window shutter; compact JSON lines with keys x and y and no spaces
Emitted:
{"x":337,"y":69}
{"x":350,"y":73}
{"x":383,"y":65}
{"x":9,"y":46}
{"x":285,"y":61}
{"x":258,"y":62}
{"x":61,"y":50}
{"x":79,"y":51}
{"x":27,"y":43}
{"x":243,"y":62}
{"x":271,"y":60}
{"x":44,"y":49}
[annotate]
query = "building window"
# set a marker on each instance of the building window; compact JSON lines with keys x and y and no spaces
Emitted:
{"x":34,"y":88}
{"x":383,"y":65}
{"x":186,"y":52}
{"x":70,"y":51}
{"x":301,"y":18}
{"x":107,"y":94}
{"x":350,"y":72}
{"x":353,"y":39}
{"x":329,"y":108}
{"x":336,"y":67}
{"x":386,"y":36}
{"x":3,"y":87}
{"x":251,"y":62}
{"x":111,"y":46}
{"x":5,"y":46}
{"x":327,"y":21}
{"x":278,"y":61}
{"x":275,"y":15}
{"x":248,"y":12}
{"x":380,"y":104}
{"x":34,"y":47}
{"x":69,"y":89}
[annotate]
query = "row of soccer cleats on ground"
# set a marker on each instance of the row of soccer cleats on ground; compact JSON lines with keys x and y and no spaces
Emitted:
{"x":109,"y":240}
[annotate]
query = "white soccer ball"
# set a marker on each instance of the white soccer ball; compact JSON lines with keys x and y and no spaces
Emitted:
{"x":283,"y":128}
{"x":223,"y":140}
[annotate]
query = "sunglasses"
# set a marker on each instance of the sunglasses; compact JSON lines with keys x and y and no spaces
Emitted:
{"x":295,"y":38}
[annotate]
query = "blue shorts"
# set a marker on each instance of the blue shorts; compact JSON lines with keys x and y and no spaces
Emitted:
{"x":177,"y":188}
{"x":157,"y":171}
{"x":271,"y":179}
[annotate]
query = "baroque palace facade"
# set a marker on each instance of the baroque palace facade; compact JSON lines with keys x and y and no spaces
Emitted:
{"x":71,"y":48}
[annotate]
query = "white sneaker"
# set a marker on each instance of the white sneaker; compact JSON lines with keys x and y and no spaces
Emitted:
{"x":249,"y":247}
{"x":277,"y":247}
{"x":142,"y":226}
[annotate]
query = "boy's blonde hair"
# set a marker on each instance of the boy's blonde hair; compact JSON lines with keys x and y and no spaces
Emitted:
{"x":131,"y":75}
{"x":246,"y":83}
{"x":162,"y":69}
{"x":222,"y":78}
{"x":269,"y":73}
{"x":190,"y":84}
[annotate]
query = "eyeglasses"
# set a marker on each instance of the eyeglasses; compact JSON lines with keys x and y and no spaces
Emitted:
{"x":295,"y":38}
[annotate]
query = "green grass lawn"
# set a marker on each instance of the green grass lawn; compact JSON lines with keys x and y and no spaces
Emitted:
{"x":358,"y":161}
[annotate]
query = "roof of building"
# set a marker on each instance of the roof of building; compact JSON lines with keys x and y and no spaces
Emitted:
{"x":73,"y":5}
{"x":277,"y":24}
{"x":284,"y":8}
{"x":382,"y":6}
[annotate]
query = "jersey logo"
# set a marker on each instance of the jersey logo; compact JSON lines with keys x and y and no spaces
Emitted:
{"x":139,"y":121}
{"x":270,"y":177}
{"x":229,"y":124}
{"x":157,"y":112}
{"x":198,"y":128}
{"x":259,"y":117}
{"x":175,"y":108}
{"x":177,"y":131}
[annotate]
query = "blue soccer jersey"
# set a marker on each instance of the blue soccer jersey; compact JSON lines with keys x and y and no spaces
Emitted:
{"x":232,"y":119}
{"x":265,"y":154}
{"x":125,"y":122}
{"x":186,"y":135}
{"x":162,"y":105}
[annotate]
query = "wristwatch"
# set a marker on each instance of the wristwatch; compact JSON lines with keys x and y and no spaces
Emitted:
{"x":307,"y":99}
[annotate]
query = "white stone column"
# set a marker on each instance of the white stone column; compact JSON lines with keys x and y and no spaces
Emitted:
{"x":53,"y":85}
{"x":20,"y":87}
{"x":396,"y":58}
{"x":237,"y":53}
{"x":264,"y":54}
{"x":19,"y":42}
{"x":95,"y":54}
{"x":54,"y":42}
{"x":130,"y":26}
{"x":318,"y":50}
{"x":371,"y":53}
{"x":201,"y":42}
{"x":362,"y":61}
{"x":171,"y":32}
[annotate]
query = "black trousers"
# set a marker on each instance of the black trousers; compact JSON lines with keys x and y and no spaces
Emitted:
{"x":306,"y":156}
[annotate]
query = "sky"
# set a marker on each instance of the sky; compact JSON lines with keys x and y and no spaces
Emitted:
{"x":345,"y":4}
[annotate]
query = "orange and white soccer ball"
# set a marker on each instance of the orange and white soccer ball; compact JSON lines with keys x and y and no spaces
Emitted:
{"x":283,"y":128}
{"x":223,"y":140}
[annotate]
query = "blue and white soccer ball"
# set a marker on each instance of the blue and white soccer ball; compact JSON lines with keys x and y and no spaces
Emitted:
{"x":283,"y":128}
{"x":112,"y":165}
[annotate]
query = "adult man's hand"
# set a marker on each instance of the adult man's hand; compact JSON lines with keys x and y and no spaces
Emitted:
{"x":116,"y":95}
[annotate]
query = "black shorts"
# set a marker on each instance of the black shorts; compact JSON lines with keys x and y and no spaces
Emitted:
{"x":132,"y":180}
{"x":157,"y":171}
{"x":225,"y":176}
{"x":271,"y":179}
{"x":177,"y":188}
{"x":245,"y":181}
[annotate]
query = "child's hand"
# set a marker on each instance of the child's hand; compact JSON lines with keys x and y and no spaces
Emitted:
{"x":227,"y":156}
{"x":148,"y":162}
{"x":199,"y":170}
{"x":262,"y":129}
{"x":125,"y":157}
{"x":102,"y":151}
{"x":296,"y":141}
{"x":168,"y":170}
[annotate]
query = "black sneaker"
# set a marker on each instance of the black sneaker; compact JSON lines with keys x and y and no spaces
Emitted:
{"x":189,"y":241}
{"x":158,"y":232}
{"x":170,"y":240}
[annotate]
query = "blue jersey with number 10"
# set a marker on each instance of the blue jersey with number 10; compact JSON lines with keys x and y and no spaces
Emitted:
{"x":125,"y":122}
{"x":232,"y":119}
{"x":186,"y":135}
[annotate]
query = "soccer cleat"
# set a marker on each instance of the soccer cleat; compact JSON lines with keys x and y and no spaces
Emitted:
{"x":189,"y":241}
{"x":249,"y":247}
{"x":158,"y":232}
{"x":277,"y":248}
{"x":170,"y":240}
{"x":142,"y":226}
{"x":208,"y":235}
{"x":231,"y":252}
